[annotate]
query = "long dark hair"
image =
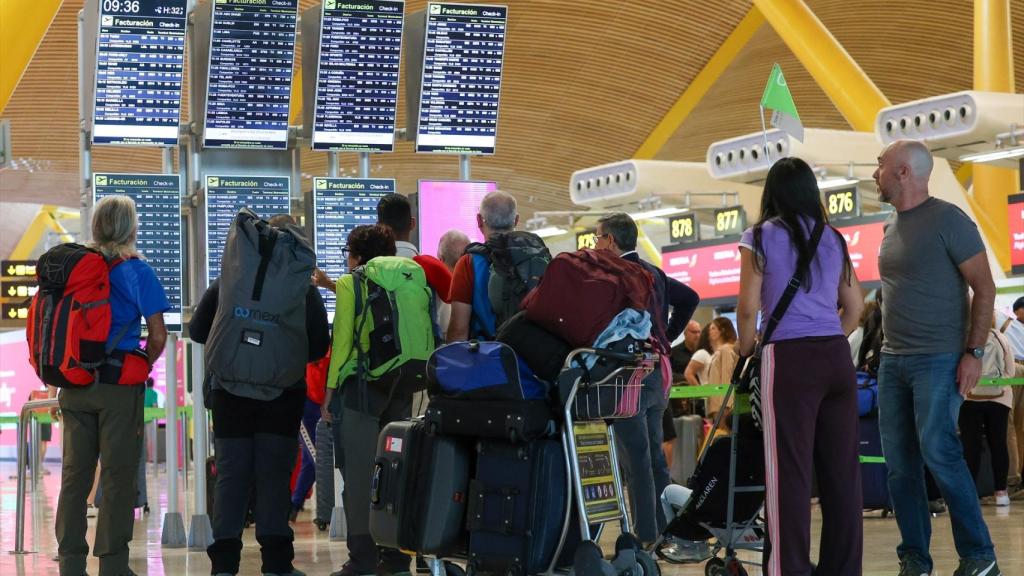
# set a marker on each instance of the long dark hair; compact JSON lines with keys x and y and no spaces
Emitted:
{"x":791,"y":194}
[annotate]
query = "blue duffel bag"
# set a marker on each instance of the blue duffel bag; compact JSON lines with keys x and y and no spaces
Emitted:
{"x":867,"y":394}
{"x":481,"y":371}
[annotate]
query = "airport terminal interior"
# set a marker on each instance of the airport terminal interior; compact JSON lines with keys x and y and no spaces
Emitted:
{"x":647,"y":129}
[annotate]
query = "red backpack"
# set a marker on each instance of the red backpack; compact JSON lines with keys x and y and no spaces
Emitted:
{"x":69,"y":318}
{"x":582,"y":292}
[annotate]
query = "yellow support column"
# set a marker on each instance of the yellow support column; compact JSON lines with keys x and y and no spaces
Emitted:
{"x":23,"y":23}
{"x":993,"y":72}
{"x":853,"y":93}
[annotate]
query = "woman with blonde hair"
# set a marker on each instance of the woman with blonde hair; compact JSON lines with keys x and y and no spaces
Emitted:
{"x":103,"y":421}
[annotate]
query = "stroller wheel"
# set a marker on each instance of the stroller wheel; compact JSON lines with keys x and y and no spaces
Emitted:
{"x":715,"y":567}
{"x":451,"y":569}
{"x":734,"y":567}
{"x":648,"y":566}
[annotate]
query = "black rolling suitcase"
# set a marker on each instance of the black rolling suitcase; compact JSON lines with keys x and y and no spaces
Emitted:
{"x":512,"y":420}
{"x":517,"y":506}
{"x":419,"y":490}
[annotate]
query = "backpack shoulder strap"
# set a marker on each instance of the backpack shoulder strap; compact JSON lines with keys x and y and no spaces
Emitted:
{"x":483,"y":317}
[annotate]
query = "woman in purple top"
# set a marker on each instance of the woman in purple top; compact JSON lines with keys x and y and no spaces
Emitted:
{"x":808,"y":384}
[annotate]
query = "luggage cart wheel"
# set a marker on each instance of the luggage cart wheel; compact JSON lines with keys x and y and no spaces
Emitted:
{"x":715,"y":567}
{"x":734,"y":567}
{"x":648,"y":565}
{"x":451,"y":569}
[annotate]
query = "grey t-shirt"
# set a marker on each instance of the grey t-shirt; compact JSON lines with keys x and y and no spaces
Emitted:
{"x":925,"y":307}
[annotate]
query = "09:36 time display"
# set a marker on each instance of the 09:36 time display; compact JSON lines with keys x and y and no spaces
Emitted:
{"x":126,"y":6}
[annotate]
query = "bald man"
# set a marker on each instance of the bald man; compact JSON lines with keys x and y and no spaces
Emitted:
{"x":931,"y":359}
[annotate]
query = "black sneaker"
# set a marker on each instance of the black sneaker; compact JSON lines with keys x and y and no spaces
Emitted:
{"x":348,"y":569}
{"x":978,"y":568}
{"x":911,"y":567}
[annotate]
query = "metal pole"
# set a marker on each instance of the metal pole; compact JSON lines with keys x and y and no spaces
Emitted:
{"x":34,"y":460}
{"x":173,"y":535}
{"x":332,"y":164}
{"x":464,"y":167}
{"x":19,"y":506}
{"x":200,"y":530}
{"x":364,"y":164}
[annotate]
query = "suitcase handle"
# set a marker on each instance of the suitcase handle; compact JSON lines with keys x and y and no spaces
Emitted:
{"x":382,"y":486}
{"x":375,"y":483}
{"x":479,"y":494}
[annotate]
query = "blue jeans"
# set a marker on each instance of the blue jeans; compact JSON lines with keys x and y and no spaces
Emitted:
{"x":919,"y":403}
{"x":638,"y":440}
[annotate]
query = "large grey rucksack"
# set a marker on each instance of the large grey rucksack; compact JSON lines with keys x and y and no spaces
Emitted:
{"x":257,"y":345}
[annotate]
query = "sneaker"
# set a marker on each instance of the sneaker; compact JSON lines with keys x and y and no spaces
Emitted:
{"x":679,"y":551}
{"x":936,"y":507}
{"x":978,"y":568}
{"x":347,"y":569}
{"x":911,"y":567}
{"x":92,"y":511}
{"x":1002,"y":499}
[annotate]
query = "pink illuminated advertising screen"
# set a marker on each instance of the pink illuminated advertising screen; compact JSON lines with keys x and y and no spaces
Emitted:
{"x":449,"y":205}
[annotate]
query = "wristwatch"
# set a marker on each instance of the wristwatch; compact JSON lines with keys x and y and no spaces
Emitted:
{"x":978,"y":352}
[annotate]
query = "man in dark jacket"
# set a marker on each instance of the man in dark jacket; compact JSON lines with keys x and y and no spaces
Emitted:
{"x":256,"y":446}
{"x":640,"y":437}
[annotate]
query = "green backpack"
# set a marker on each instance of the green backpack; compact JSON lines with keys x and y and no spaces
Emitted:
{"x":398,"y":301}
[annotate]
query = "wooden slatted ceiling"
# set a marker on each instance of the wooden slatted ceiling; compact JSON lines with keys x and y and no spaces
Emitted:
{"x":585,"y":82}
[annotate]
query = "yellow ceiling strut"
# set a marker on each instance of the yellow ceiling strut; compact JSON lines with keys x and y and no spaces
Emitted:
{"x":700,"y":85}
{"x":47,"y":217}
{"x":23,"y":23}
{"x":644,"y":243}
{"x":993,"y":72}
{"x":844,"y":82}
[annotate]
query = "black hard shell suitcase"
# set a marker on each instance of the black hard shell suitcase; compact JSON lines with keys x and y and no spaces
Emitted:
{"x":512,"y":420}
{"x":419,"y":490}
{"x":517,"y":507}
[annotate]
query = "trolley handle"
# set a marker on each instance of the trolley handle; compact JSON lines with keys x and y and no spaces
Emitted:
{"x":576,"y":356}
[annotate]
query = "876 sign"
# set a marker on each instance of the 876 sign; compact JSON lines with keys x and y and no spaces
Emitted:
{"x":841,"y":203}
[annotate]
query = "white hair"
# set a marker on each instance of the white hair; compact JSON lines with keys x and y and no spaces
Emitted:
{"x":451,"y":246}
{"x":498,"y":210}
{"x":114,"y":226}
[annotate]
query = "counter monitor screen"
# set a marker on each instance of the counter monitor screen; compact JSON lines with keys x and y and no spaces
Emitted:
{"x":462,"y":62}
{"x":357,"y":76}
{"x":339,"y":205}
{"x":158,"y":206}
{"x":449,"y":205}
{"x":140,"y":53}
{"x":226,"y":195}
{"x":1016,"y":214}
{"x":252,"y":48}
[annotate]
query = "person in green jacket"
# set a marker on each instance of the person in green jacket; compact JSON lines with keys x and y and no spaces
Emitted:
{"x":375,"y":378}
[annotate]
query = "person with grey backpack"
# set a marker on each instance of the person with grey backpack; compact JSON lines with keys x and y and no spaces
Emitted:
{"x":261,"y":322}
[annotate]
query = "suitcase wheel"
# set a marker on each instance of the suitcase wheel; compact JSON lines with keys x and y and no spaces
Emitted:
{"x":451,"y":569}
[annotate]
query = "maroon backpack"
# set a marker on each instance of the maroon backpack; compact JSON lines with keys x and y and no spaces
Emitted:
{"x":582,"y":292}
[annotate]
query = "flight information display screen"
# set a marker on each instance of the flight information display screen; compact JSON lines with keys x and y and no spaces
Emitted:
{"x":140,"y":52}
{"x":339,"y":205}
{"x":252,"y":49}
{"x":462,"y":61}
{"x":357,"y":76}
{"x":158,"y":206}
{"x":226,"y":195}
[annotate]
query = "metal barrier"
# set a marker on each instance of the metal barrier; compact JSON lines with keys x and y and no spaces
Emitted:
{"x":26,"y":411}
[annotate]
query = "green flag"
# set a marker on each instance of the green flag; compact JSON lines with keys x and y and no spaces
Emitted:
{"x":777,"y":98}
{"x":776,"y":94}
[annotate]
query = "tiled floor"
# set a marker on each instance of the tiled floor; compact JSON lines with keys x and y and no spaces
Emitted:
{"x":317,"y":556}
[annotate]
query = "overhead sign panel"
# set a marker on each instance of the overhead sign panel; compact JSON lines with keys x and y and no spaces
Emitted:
{"x":449,"y":205}
{"x":140,"y":54}
{"x":226,"y":195}
{"x":462,"y":63}
{"x":1016,"y":214}
{"x":357,"y":76}
{"x":339,"y":205}
{"x":251,"y":55}
{"x":158,"y":205}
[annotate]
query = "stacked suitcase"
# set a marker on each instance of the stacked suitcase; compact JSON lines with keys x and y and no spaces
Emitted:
{"x":479,"y":477}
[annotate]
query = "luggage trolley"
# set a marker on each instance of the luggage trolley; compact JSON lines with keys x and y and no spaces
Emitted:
{"x":730,"y":535}
{"x":590,"y":398}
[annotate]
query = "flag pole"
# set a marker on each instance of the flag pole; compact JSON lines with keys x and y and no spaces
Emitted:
{"x":764,"y":134}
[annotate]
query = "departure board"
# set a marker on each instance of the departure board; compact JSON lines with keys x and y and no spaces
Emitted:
{"x":226,"y":195}
{"x":339,"y":205}
{"x":250,"y":76}
{"x":462,"y":60}
{"x":158,"y":206}
{"x":357,"y":76}
{"x":140,"y":53}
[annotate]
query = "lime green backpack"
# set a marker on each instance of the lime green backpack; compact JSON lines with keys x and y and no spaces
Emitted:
{"x":392,"y":293}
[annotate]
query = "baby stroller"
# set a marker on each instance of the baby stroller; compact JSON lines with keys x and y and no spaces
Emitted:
{"x":723,"y":500}
{"x":589,"y":394}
